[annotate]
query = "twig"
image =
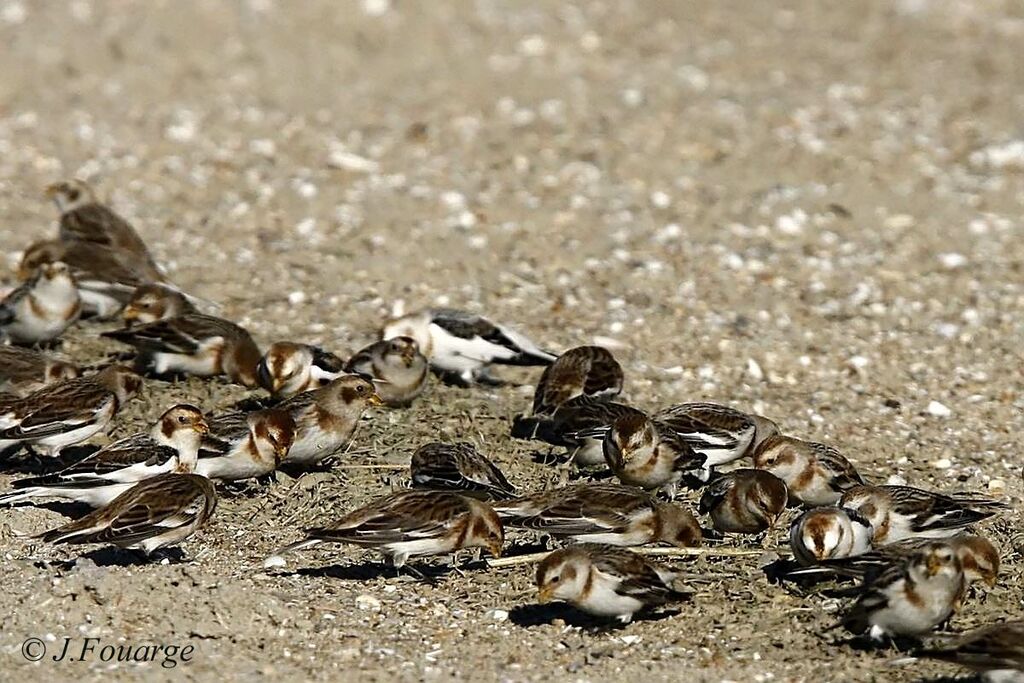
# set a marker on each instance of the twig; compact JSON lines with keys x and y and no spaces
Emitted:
{"x":655,"y":552}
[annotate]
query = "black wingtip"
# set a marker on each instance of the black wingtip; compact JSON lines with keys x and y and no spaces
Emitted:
{"x":524,"y":427}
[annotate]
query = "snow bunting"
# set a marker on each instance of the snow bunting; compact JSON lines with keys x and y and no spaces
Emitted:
{"x":104,"y":276}
{"x":461,"y":345}
{"x":23,"y":371}
{"x":605,"y":581}
{"x":827,"y":533}
{"x":995,"y":651}
{"x":326,"y":418}
{"x":68,"y":412}
{"x":172,"y":445}
{"x":815,"y":473}
{"x":902,"y":512}
{"x":193,"y":344}
{"x":581,"y":371}
{"x":458,"y":467}
{"x":153,"y":302}
{"x":719,"y":433}
{"x":42,"y":307}
{"x":85,"y":219}
{"x":250,"y":445}
{"x":643,"y":452}
{"x":603,"y":513}
{"x":579,"y":425}
{"x":154,"y":513}
{"x":397,"y":367}
{"x":288,"y":368}
{"x":910,"y":598}
{"x":744,"y":501}
{"x":412,"y":523}
{"x":978,"y":557}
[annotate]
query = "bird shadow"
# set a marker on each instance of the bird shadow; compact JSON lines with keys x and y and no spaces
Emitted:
{"x":121,"y":557}
{"x":526,"y":616}
{"x":368,"y":571}
{"x":863,"y":643}
{"x":251,"y":404}
{"x":27,"y":461}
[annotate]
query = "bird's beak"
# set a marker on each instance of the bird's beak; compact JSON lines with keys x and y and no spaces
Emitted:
{"x":203,"y":428}
{"x":933,"y":566}
{"x":991,"y":580}
{"x":494,"y":548}
{"x":545,"y":595}
{"x":51,"y":191}
{"x":375,"y":400}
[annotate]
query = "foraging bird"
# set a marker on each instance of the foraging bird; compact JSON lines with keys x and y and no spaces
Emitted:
{"x":911,"y":597}
{"x":580,"y":371}
{"x":288,"y":368}
{"x":246,"y":446}
{"x":23,"y":371}
{"x":83,"y":218}
{"x":720,"y":433}
{"x":42,"y":307}
{"x":611,"y":514}
{"x":815,"y":473}
{"x":744,"y":501}
{"x":150,"y":303}
{"x":398,"y":369}
{"x":105,"y":277}
{"x":156,"y":512}
{"x":458,"y":467}
{"x":605,"y":581}
{"x":172,"y":445}
{"x":326,"y":418}
{"x":644,"y":452}
{"x":66,"y":413}
{"x":901,"y":512}
{"x":461,"y":345}
{"x":579,"y":425}
{"x":829,"y":533}
{"x":995,"y":651}
{"x":412,"y":523}
{"x":194,"y":344}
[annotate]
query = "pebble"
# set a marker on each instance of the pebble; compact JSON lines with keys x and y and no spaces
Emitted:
{"x":754,"y":370}
{"x":368,"y":603}
{"x":997,"y":487}
{"x":942,"y":464}
{"x":937,"y":409}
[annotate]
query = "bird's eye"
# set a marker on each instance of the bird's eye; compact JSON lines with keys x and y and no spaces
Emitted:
{"x":181,"y":419}
{"x":555,"y":579}
{"x":361,"y":389}
{"x":74,"y":194}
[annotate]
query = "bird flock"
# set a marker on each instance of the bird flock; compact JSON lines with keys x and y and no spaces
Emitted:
{"x":906,"y":558}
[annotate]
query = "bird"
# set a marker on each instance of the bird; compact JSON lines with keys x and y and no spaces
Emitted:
{"x":195,"y":344}
{"x":580,"y":371}
{"x":995,"y":651}
{"x":744,"y":501}
{"x":642,"y":451}
{"x":815,"y":473}
{"x":42,"y":307}
{"x":290,"y":368}
{"x":610,"y":514}
{"x":23,"y":370}
{"x":458,"y":467}
{"x":154,"y":513}
{"x":153,"y":302}
{"x":720,"y":433}
{"x":978,"y":557}
{"x":579,"y":425}
{"x":827,"y":533}
{"x":460,"y":345}
{"x":397,"y":367}
{"x":68,"y":412}
{"x":411,"y":523}
{"x":326,"y":418}
{"x":901,"y":512}
{"x":911,"y":597}
{"x":246,"y":445}
{"x":606,"y":581}
{"x":171,"y":445}
{"x":83,"y":218}
{"x":105,"y":277}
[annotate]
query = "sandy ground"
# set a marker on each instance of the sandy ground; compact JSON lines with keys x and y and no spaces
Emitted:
{"x":812,"y":212}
